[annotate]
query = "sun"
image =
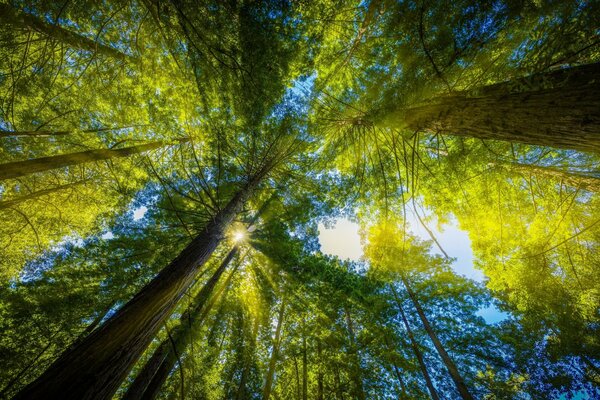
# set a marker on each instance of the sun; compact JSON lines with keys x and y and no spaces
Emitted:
{"x":239,"y":235}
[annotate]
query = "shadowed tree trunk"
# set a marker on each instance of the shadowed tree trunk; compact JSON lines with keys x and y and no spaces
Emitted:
{"x":454,"y":373}
{"x":95,"y":368}
{"x":17,"y":169}
{"x":148,"y":382}
{"x":560,"y":108}
{"x":274,"y":353}
{"x":415,"y":346}
{"x":155,"y":372}
{"x":20,"y":20}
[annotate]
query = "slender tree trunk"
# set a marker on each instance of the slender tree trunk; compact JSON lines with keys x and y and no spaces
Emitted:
{"x":393,"y":364}
{"x":164,"y":357}
{"x":319,"y":371}
{"x":18,"y":19}
{"x":298,"y":388}
{"x":359,"y":392}
{"x":95,"y":368}
{"x":242,"y":392}
{"x":575,"y":179}
{"x":452,"y":369}
{"x":43,"y":133}
{"x":304,"y":365}
{"x":274,"y":353}
{"x":37,"y":194}
{"x":17,"y":169}
{"x":338,"y":383}
{"x":415,"y":346}
{"x":560,"y":108}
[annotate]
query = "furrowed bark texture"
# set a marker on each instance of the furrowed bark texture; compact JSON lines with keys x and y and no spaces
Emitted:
{"x":19,"y":19}
{"x":558,"y":109}
{"x":452,"y":369}
{"x":416,"y":350}
{"x":95,"y":368}
{"x":22,"y":168}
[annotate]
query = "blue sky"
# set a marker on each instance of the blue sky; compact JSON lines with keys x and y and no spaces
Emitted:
{"x":343,"y":240}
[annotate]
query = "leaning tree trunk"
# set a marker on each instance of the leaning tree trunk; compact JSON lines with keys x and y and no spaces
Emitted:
{"x":415,"y":346}
{"x":454,"y":373}
{"x":579,"y":180}
{"x":95,"y":368}
{"x":18,"y":19}
{"x":155,"y":372}
{"x":45,"y":133}
{"x":17,"y":169}
{"x":274,"y":354}
{"x":148,"y":382}
{"x":34,"y":195}
{"x":560,"y":108}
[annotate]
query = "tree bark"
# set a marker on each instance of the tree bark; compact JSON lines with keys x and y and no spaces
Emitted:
{"x":274,"y":353}
{"x":415,"y":346}
{"x":560,"y":108}
{"x":150,"y":379}
{"x":359,"y":392}
{"x":43,"y":133}
{"x":574,"y":179}
{"x":95,"y":368}
{"x":452,"y":369}
{"x":304,"y":364}
{"x":37,"y":194}
{"x":319,"y":371}
{"x":17,"y":169}
{"x":242,"y":392}
{"x":18,"y":19}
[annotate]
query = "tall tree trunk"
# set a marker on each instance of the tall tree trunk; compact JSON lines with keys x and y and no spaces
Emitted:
{"x":156,"y":371}
{"x":319,"y":371}
{"x":274,"y":353}
{"x":454,"y":373}
{"x":37,"y":194}
{"x":91,"y":326}
{"x":95,"y":368}
{"x":415,"y":346}
{"x":304,"y":364}
{"x":242,"y":392}
{"x":560,"y":108}
{"x":17,"y":169}
{"x":18,"y":19}
{"x":392,"y":363}
{"x":575,"y":179}
{"x":150,"y":379}
{"x":359,"y":392}
{"x":43,"y":133}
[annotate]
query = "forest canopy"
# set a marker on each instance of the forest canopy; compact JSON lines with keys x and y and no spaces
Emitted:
{"x":166,"y":167}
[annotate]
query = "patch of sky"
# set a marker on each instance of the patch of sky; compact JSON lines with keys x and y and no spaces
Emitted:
{"x":342,"y":239}
{"x":138,"y":213}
